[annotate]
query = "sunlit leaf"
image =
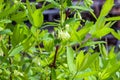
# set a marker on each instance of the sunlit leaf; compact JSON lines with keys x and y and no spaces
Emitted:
{"x":15,"y":50}
{"x":106,"y":7}
{"x":70,"y":60}
{"x":37,"y":18}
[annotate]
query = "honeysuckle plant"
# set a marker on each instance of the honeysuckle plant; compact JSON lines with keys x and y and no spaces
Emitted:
{"x":72,"y":51}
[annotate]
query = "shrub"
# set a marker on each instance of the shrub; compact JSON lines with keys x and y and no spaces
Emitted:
{"x":32,"y":53}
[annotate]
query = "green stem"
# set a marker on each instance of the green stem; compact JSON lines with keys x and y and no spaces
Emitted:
{"x":78,"y":2}
{"x":62,"y":13}
{"x":53,"y":65}
{"x":74,"y":75}
{"x":39,"y":48}
{"x":44,"y":4}
{"x":10,"y":58}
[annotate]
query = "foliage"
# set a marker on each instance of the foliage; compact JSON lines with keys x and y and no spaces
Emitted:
{"x":33,"y":53}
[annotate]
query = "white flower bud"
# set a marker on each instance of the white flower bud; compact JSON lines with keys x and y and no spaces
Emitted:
{"x":67,"y":26}
{"x":64,"y":35}
{"x":17,"y":73}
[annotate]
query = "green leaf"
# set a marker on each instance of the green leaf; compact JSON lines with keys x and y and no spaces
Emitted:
{"x":98,"y":25}
{"x":29,"y":11}
{"x":103,"y":50}
{"x":115,"y":34}
{"x":4,"y":48}
{"x":48,"y":44}
{"x":102,"y":32}
{"x":19,"y":17}
{"x":28,"y":42}
{"x":6,"y":31}
{"x":113,"y":18}
{"x":5,"y":21}
{"x":83,"y":32}
{"x":109,"y":71}
{"x":82,"y":8}
{"x":69,"y":2}
{"x":88,"y":60}
{"x":15,"y":50}
{"x":70,"y":20}
{"x":79,"y":59}
{"x":106,"y":7}
{"x":9,"y":11}
{"x":37,"y":18}
{"x":54,"y":3}
{"x":18,"y":35}
{"x":70,"y":60}
{"x":89,"y":43}
{"x":86,"y":74}
{"x":1,"y":1}
{"x":47,"y":7}
{"x":111,"y":54}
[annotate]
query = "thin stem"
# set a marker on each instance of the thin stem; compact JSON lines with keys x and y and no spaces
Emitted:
{"x":54,"y":61}
{"x":53,"y":65}
{"x":44,"y":4}
{"x":74,"y":75}
{"x":62,"y":13}
{"x":10,"y":59}
{"x":106,"y":45}
{"x":78,"y":2}
{"x":39,"y":48}
{"x":83,"y":43}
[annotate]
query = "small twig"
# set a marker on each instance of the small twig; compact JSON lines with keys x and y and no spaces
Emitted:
{"x":53,"y":65}
{"x":54,"y":61}
{"x":106,"y":44}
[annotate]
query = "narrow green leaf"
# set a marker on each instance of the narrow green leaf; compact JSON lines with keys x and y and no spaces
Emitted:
{"x":54,"y":3}
{"x":86,"y":74}
{"x":71,"y":20}
{"x":70,"y":60}
{"x":115,"y":34}
{"x":29,"y":11}
{"x":106,"y":7}
{"x":9,"y":11}
{"x":89,"y":59}
{"x":15,"y":50}
{"x":5,"y":21}
{"x":18,"y":35}
{"x":28,"y":43}
{"x":113,"y":18}
{"x":19,"y":17}
{"x":79,"y":59}
{"x":103,"y":50}
{"x":111,"y":54}
{"x":109,"y":71}
{"x":4,"y":48}
{"x":89,"y":43}
{"x":83,"y":32}
{"x":83,"y":8}
{"x":102,"y":32}
{"x":47,"y":7}
{"x":6,"y":31}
